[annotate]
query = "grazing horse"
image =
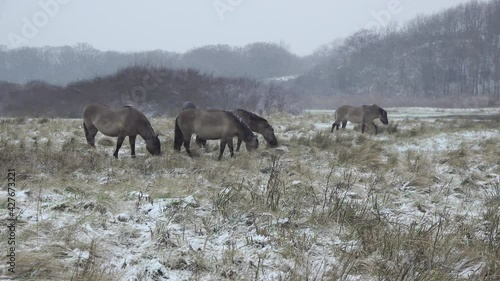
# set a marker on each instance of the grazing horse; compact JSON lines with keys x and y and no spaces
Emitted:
{"x":125,"y":122}
{"x":212,"y":125}
{"x":359,"y":114}
{"x":256,"y":123}
{"x":188,"y":105}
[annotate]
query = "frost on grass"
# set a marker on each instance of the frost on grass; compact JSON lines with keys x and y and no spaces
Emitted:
{"x":342,"y":205}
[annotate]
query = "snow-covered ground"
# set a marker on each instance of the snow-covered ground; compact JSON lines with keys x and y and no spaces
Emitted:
{"x":176,"y":218}
{"x":424,"y":112}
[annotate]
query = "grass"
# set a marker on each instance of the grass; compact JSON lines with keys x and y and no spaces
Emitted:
{"x":331,"y":206}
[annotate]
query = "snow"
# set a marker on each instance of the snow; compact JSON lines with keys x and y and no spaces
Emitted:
{"x":423,"y":112}
{"x":150,"y":237}
{"x":282,"y":78}
{"x":78,"y":254}
{"x":449,"y":141}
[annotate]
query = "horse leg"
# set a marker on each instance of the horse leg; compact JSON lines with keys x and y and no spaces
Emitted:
{"x":333,"y":127}
{"x":187,"y":144}
{"x":237,"y":145}
{"x":344,"y":123}
{"x":131,"y":140}
{"x":90,"y":133}
{"x":119,"y":143}
{"x":363,"y":127}
{"x":375,"y":126}
{"x":223,"y":143}
{"x":230,"y":145}
{"x":201,"y":142}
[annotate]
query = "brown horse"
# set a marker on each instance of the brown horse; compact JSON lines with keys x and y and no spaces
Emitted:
{"x":359,"y":114}
{"x":125,"y":122}
{"x":212,"y":125}
{"x":256,"y":123}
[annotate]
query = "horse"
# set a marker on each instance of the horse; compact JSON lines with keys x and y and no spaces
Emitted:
{"x":125,"y":122}
{"x":212,"y":125}
{"x":188,"y":105}
{"x":359,"y":114}
{"x":256,"y":123}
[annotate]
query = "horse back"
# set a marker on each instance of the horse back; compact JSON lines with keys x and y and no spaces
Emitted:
{"x":207,"y":124}
{"x":95,"y":112}
{"x":94,"y":109}
{"x":212,"y":124}
{"x":349,"y":113}
{"x":127,"y":121}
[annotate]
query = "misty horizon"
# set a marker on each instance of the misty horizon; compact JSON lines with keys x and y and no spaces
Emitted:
{"x":420,"y":62}
{"x":300,"y":28}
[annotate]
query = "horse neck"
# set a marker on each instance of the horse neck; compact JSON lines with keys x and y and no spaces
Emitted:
{"x":146,"y":131}
{"x":253,"y":121}
{"x":142,"y":124}
{"x":244,"y":131}
{"x":374,"y":111}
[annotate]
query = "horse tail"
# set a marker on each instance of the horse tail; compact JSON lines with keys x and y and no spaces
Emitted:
{"x":179,"y":138}
{"x":85,"y":129}
{"x":338,"y":114}
{"x":89,"y":138}
{"x":334,"y":122}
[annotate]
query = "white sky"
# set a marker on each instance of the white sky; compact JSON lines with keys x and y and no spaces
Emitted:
{"x":133,"y":25}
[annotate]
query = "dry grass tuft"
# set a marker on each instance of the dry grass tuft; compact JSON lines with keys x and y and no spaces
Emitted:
{"x":459,"y":157}
{"x":106,"y":142}
{"x":323,"y":205}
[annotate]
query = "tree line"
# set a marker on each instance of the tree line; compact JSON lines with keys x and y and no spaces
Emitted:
{"x":452,"y":54}
{"x":62,"y":65}
{"x":452,"y":57}
{"x":157,"y":91}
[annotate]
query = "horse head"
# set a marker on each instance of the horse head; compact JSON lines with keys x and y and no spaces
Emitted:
{"x":383,"y":116}
{"x":268,"y":134}
{"x":153,"y":145}
{"x":252,"y":143}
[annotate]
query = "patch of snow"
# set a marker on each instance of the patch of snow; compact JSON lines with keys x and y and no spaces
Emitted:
{"x":447,"y":141}
{"x":282,"y":78}
{"x":78,"y":254}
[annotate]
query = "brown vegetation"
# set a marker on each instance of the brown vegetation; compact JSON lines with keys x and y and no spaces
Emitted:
{"x":322,"y":205}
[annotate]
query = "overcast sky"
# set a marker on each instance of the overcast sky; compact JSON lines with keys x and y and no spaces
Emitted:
{"x":127,"y":25}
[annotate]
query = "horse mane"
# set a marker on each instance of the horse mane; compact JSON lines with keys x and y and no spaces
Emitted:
{"x":252,"y":116}
{"x":247,"y":131}
{"x":144,"y":119}
{"x":103,"y":104}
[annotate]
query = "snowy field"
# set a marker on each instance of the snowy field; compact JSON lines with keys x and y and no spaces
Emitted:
{"x":418,"y":201}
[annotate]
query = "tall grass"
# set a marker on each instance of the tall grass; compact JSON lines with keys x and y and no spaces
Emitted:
{"x":331,"y":206}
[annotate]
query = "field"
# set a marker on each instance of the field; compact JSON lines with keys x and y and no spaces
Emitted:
{"x":418,"y":201}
